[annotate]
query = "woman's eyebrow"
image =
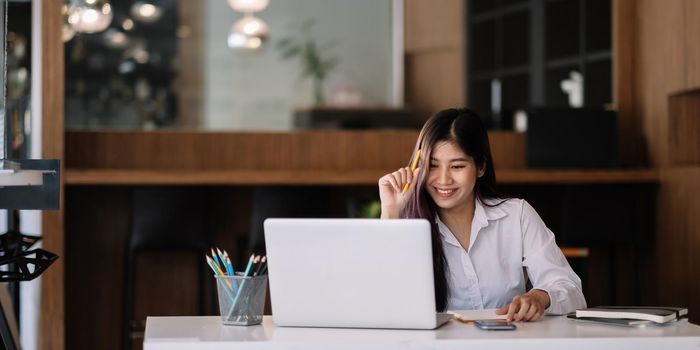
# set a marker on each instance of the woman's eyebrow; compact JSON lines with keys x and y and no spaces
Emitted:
{"x":451,"y":160}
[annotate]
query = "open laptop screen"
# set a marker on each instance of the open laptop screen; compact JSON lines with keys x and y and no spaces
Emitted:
{"x":351,"y":273}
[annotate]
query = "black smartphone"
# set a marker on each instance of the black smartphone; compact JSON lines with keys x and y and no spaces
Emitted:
{"x":494,"y":325}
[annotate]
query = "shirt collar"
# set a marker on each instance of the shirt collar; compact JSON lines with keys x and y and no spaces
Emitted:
{"x":482,"y":215}
{"x":487,"y":213}
{"x":447,"y":235}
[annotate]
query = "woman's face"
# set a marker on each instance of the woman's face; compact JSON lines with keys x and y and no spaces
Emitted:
{"x":451,"y":177}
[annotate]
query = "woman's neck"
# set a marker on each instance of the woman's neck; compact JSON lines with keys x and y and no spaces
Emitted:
{"x":459,"y":219}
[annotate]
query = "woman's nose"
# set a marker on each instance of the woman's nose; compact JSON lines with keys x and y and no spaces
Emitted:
{"x":444,"y":177}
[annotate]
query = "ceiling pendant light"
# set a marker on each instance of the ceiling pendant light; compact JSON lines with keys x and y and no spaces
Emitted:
{"x":248,"y":6}
{"x":248,"y":32}
{"x":115,"y":39}
{"x":146,"y":11}
{"x":67,"y":32}
{"x":90,"y":16}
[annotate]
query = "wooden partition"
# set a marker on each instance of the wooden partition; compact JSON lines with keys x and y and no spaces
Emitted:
{"x":435,"y":55}
{"x":291,"y":158}
{"x":665,"y":100}
{"x":684,"y":128}
{"x":52,"y":308}
{"x":300,"y":157}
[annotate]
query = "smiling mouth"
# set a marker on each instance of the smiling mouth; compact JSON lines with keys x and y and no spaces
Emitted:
{"x":445,"y":192}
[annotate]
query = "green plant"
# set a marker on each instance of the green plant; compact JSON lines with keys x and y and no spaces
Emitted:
{"x":314,"y":64}
{"x":371,"y":209}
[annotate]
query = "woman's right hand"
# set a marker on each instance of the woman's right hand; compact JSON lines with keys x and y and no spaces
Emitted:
{"x":391,"y":193}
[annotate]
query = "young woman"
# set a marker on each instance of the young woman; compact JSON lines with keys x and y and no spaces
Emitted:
{"x":485,"y":248}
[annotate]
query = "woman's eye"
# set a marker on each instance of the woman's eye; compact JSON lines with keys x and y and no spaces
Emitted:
{"x":433,"y":166}
{"x":458,"y":166}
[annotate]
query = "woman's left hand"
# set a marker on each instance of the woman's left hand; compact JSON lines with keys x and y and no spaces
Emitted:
{"x":526,"y":307}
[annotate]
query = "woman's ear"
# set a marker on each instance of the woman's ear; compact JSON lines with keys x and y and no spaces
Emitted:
{"x":482,"y":170}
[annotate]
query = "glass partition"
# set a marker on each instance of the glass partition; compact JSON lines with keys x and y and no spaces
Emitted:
{"x":15,"y":79}
{"x":218,"y":65}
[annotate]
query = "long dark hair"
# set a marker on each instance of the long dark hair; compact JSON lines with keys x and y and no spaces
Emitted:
{"x":464,"y":127}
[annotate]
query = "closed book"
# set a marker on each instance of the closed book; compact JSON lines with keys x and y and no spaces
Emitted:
{"x":654,"y":314}
{"x":611,"y":321}
{"x":473,"y":315}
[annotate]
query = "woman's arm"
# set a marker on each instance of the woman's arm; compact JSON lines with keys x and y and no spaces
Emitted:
{"x":391,"y":193}
{"x":546,"y":265}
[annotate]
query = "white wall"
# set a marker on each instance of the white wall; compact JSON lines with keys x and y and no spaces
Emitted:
{"x":258,"y":90}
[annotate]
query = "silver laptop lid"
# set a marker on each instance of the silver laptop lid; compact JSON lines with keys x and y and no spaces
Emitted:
{"x":351,"y":273}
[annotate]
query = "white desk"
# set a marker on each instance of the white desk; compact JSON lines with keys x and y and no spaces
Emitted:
{"x":552,"y":332}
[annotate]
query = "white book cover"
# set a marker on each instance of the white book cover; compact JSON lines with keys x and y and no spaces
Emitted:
{"x":473,"y":315}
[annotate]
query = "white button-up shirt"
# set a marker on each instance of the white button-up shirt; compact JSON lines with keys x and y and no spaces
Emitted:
{"x":506,"y":242}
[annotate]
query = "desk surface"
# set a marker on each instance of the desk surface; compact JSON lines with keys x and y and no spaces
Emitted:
{"x":552,"y":332}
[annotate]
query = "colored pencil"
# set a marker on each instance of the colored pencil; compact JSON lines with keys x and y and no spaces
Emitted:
{"x":263,"y":262}
{"x":215,"y":258}
{"x":213,"y":266}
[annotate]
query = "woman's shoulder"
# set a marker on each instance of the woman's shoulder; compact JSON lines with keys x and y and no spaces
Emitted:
{"x":520,"y":208}
{"x":508,"y":205}
{"x":513,"y":207}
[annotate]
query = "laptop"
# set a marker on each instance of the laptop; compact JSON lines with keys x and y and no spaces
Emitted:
{"x":357,"y":273}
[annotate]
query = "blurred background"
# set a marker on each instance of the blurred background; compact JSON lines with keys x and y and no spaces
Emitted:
{"x":182,"y":125}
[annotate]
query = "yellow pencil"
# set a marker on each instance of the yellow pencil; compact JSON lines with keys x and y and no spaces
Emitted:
{"x":413,"y":168}
{"x":215,"y":267}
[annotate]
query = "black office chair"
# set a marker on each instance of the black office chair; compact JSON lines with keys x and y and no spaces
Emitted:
{"x":166,"y":219}
{"x":283,"y":202}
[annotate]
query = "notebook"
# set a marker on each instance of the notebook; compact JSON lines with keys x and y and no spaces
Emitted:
{"x":611,"y":321}
{"x":473,"y":315}
{"x":358,"y":273}
{"x":654,"y":314}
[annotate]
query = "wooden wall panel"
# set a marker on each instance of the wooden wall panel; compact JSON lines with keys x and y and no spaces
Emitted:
{"x":435,"y":55}
{"x":666,"y":75}
{"x":303,"y":150}
{"x":507,"y":149}
{"x":690,"y":178}
{"x":52,"y":317}
{"x":431,"y":26}
{"x":631,"y":142}
{"x":96,"y":235}
{"x":684,"y":128}
{"x":166,"y":285}
{"x":189,"y":80}
{"x":678,"y":239}
{"x":692,"y":33}
{"x":671,"y":240}
{"x":263,"y":151}
{"x":435,"y":81}
{"x":660,"y":69}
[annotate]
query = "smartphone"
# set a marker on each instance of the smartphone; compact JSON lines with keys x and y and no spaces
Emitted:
{"x":494,"y":325}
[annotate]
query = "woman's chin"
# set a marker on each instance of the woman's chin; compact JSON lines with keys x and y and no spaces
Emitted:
{"x":444,"y":203}
{"x":451,"y":202}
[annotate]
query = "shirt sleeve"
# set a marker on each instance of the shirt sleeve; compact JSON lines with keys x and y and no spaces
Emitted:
{"x":546,"y":265}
